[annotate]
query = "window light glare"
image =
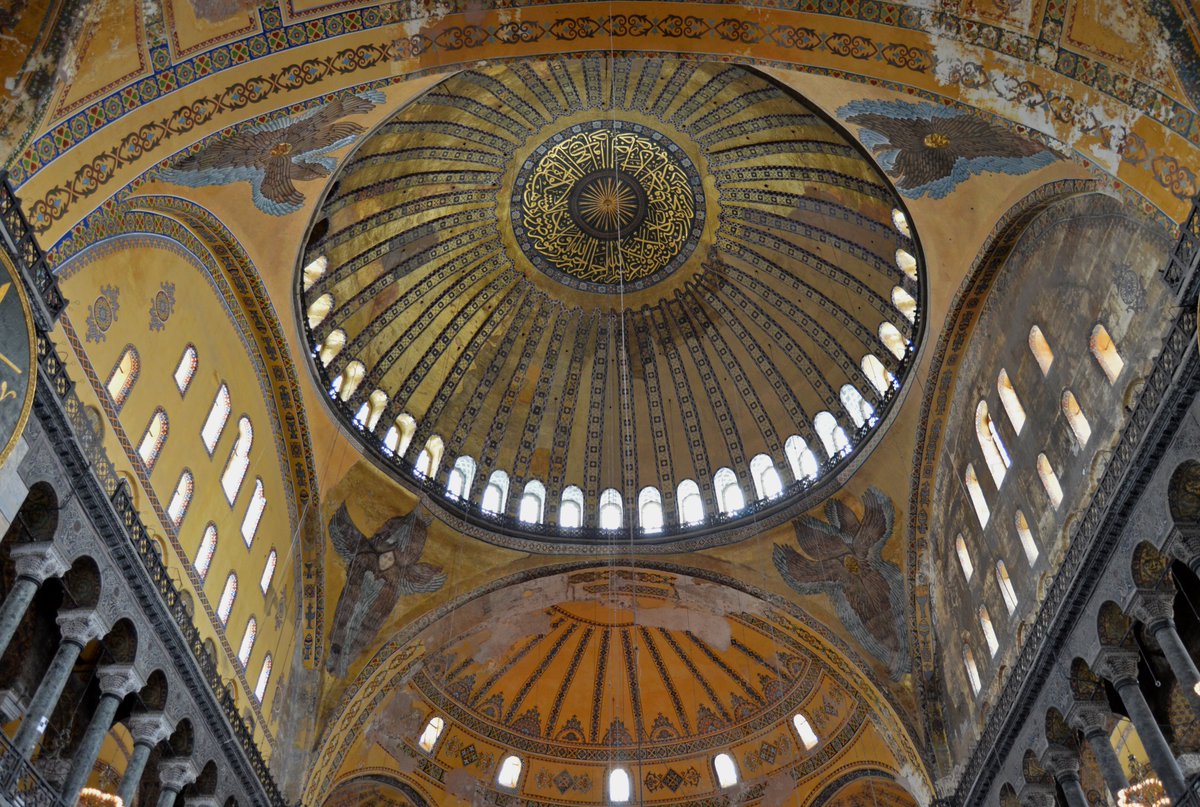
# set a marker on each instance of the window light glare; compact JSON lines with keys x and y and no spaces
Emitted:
{"x":727,"y":775}
{"x":433,"y":730}
{"x":618,"y":786}
{"x":510,"y":772}
{"x":808,"y":737}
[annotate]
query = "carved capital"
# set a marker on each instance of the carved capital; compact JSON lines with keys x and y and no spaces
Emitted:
{"x":39,"y":561}
{"x":1153,"y":607}
{"x":200,"y":801}
{"x":119,"y":679}
{"x":80,"y":625}
{"x":1037,"y":795}
{"x":176,"y":774}
{"x":1061,"y":762}
{"x":1089,"y":717}
{"x":1184,"y":544}
{"x":150,"y":728}
{"x":1117,"y":665}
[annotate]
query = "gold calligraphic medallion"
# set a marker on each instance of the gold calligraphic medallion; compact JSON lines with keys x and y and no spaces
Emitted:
{"x":608,"y":206}
{"x":18,"y":359}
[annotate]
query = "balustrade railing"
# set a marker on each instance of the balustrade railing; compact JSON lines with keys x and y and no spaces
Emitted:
{"x":20,"y":783}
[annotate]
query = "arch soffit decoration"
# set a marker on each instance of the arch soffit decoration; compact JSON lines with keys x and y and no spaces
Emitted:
{"x":394,"y":662}
{"x":211,"y":242}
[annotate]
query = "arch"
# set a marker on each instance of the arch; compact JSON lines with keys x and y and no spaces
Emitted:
{"x":881,"y":377}
{"x":1040,"y":349}
{"x":1010,"y":401}
{"x":1049,"y":481}
{"x":570,"y":508}
{"x":650,"y":510}
{"x":1081,"y":430}
{"x":905,"y":303}
{"x":228,"y":596}
{"x":533,"y":502}
{"x":1007,"y":592}
{"x":767,"y":482}
{"x":690,"y":502}
{"x":495,"y":493}
{"x":861,"y":413}
{"x":248,"y":637}
{"x":319,"y":309}
{"x":331,"y":346}
{"x":1026,"y":536}
{"x":833,"y":438}
{"x":995,"y":455}
{"x":264,"y":677}
{"x":1183,"y":495}
{"x":611,"y":511}
{"x":204,"y":555}
{"x":268,"y":571}
{"x":400,"y":434}
{"x":1105,"y":353}
{"x":510,"y":772}
{"x":989,"y":633}
{"x":893,"y":340}
{"x":726,"y":770}
{"x":430,"y":734}
{"x":185,"y":371}
{"x":964,"y":557}
{"x":978,"y":501}
{"x":182,"y":498}
{"x":803,"y":462}
{"x":37,"y":518}
{"x":619,"y":788}
{"x":214,"y":424}
{"x":972,"y":670}
{"x":254,"y":512}
{"x":371,"y":410}
{"x":462,"y":475}
{"x":123,"y":376}
{"x":239,"y":460}
{"x":730,"y":498}
{"x":313,"y":270}
{"x":430,"y":457}
{"x":153,"y":438}
{"x":804,"y":729}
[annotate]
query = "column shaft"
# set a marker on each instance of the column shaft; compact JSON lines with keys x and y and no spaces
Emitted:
{"x":1181,"y":662}
{"x":1106,"y":757}
{"x":1073,"y":790}
{"x":1161,"y":757}
{"x":46,"y":698}
{"x":133,"y":773}
{"x":89,"y":746}
{"x":13,"y":609}
{"x":166,"y":798}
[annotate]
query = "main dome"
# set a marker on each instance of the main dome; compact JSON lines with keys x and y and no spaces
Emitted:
{"x":574,"y":298}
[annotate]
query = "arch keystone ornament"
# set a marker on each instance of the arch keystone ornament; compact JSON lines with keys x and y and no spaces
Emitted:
{"x":18,"y":356}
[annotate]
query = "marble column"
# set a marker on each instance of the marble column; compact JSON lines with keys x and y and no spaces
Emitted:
{"x":1092,"y":719}
{"x":35,"y":563}
{"x":116,"y":681}
{"x":1120,"y":667}
{"x":1063,"y":765}
{"x":78,"y":627}
{"x":148,"y":730}
{"x":173,"y":776}
{"x":1156,"y":610}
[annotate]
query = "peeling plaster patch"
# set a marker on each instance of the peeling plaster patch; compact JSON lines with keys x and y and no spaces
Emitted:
{"x":461,"y":784}
{"x":778,"y":790}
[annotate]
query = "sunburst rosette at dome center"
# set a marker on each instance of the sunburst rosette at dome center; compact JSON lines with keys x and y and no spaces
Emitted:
{"x":577,"y":297}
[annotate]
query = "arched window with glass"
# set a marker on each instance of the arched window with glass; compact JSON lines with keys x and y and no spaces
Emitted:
{"x":331,"y":346}
{"x":893,"y":340}
{"x":347,"y":381}
{"x":214,"y":424}
{"x":861,"y":413}
{"x":650,"y":510}
{"x":978,"y":500}
{"x":767,"y":482}
{"x":972,"y":671}
{"x":371,"y":410}
{"x":800,"y":458}
{"x":239,"y":460}
{"x":462,"y":476}
{"x":833,"y":438}
{"x":185,"y":371}
{"x":314,"y":270}
{"x":182,"y":497}
{"x":1012,"y":403}
{"x":570,"y":508}
{"x":533,"y":502}
{"x":268,"y":571}
{"x":319,"y":309}
{"x":1026,"y":536}
{"x":901,"y":222}
{"x":1105,"y":352}
{"x":1040,"y":349}
{"x":400,"y":434}
{"x":730,"y":498}
{"x":619,"y":789}
{"x":881,"y":377}
{"x":254,"y":512}
{"x":248,"y":638}
{"x":907,"y":263}
{"x":964,"y":557}
{"x":228,"y":595}
{"x":1007,"y":592}
{"x":1049,"y":481}
{"x":726,"y":770}
{"x":153,"y":438}
{"x":495,"y":494}
{"x":430,"y":734}
{"x":124,"y":373}
{"x":264,"y":677}
{"x":204,"y":555}
{"x":995,"y":454}
{"x":905,"y":303}
{"x":430,"y":457}
{"x":610,"y":514}
{"x":989,"y":633}
{"x":510,"y":772}
{"x":690,"y":502}
{"x":804,"y":729}
{"x":1081,"y":430}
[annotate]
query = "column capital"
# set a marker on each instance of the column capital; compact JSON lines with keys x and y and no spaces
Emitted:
{"x":150,"y":728}
{"x":1153,"y":607}
{"x":1061,"y":762}
{"x":200,"y":801}
{"x":1089,"y":717}
{"x":1117,"y":665}
{"x":39,"y":561}
{"x":119,"y":679}
{"x":80,"y":625}
{"x":1184,"y":544}
{"x":177,"y":773}
{"x":1037,"y":795}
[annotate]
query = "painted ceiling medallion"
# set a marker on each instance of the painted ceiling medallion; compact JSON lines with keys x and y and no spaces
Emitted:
{"x":610,"y":207}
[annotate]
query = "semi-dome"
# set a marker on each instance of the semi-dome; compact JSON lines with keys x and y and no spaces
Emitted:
{"x":571,"y":298}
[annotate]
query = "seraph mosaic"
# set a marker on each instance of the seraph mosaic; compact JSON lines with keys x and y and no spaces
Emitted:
{"x":928,"y":149}
{"x":273,"y":156}
{"x":841,"y":557}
